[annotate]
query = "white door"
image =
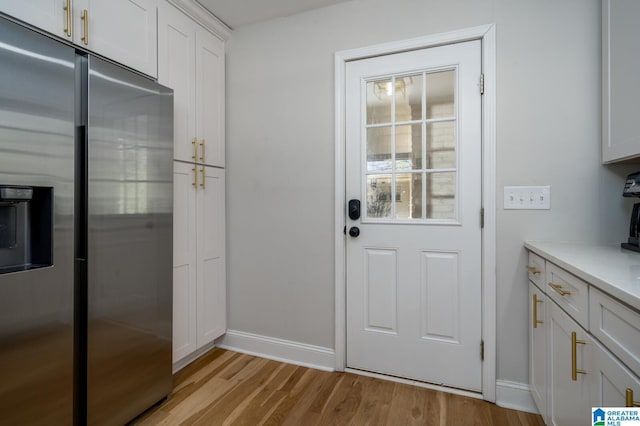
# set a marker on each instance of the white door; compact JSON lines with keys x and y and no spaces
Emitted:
{"x":210,"y":240}
{"x":413,"y":160}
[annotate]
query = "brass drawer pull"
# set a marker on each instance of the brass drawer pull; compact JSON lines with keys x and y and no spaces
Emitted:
{"x":558,"y":288}
{"x":534,"y":270}
{"x":574,"y":356}
{"x":195,"y":177}
{"x":203,"y":184}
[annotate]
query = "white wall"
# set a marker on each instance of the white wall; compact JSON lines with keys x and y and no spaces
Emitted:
{"x":280,"y":151}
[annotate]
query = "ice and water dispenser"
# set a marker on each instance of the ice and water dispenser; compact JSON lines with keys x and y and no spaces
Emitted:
{"x":26,"y":219}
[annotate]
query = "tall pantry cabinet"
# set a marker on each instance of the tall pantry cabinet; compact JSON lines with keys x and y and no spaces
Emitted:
{"x":191,"y":62}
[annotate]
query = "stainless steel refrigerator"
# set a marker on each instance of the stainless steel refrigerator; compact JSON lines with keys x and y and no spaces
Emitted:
{"x":86,"y":230}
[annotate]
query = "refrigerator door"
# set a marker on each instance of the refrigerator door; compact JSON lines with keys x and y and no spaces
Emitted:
{"x":130,"y":236}
{"x":37,"y":80}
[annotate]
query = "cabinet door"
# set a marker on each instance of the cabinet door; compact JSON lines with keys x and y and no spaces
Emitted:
{"x":612,"y":380}
{"x":122,"y":30}
{"x":48,"y":15}
{"x":212,"y":296}
{"x":176,"y":69}
{"x":210,"y":97}
{"x":620,"y":91}
{"x":538,"y":348}
{"x":568,"y":400}
{"x":184,"y":261}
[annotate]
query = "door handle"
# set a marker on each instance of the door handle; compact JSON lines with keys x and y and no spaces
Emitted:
{"x":574,"y":356}
{"x":536,"y":321}
{"x":85,"y":19}
{"x":67,"y":9}
{"x":354,"y":209}
{"x":354,"y":231}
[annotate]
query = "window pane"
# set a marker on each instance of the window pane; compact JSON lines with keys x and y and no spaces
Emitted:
{"x":379,"y":149}
{"x":409,"y":147}
{"x":409,"y":98}
{"x":409,"y":196}
{"x":441,"y":94}
{"x":379,"y":101}
{"x":441,"y":145}
{"x":441,"y":195}
{"x":379,"y":196}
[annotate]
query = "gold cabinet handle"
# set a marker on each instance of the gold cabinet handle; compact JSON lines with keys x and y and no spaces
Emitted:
{"x":194,"y":142}
{"x":558,"y":288}
{"x":630,"y":401}
{"x":536,"y":321}
{"x":195,"y":177}
{"x":533,"y":270}
{"x":67,"y":9}
{"x":85,"y":19}
{"x":202,"y":144}
{"x":574,"y":356}
{"x":203,"y":184}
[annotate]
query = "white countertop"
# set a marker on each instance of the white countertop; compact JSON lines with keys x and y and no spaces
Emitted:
{"x":608,"y":267}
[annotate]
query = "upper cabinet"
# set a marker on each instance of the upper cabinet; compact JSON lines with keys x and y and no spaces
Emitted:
{"x":191,"y":62}
{"x":620,"y":91}
{"x":121,"y":30}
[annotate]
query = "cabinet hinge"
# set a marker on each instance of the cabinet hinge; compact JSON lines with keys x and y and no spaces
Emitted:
{"x":482,"y":217}
{"x":482,"y":350}
{"x":482,"y":84}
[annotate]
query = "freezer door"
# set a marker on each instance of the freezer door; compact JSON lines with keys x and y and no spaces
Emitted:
{"x":130,"y":236}
{"x":36,"y":305}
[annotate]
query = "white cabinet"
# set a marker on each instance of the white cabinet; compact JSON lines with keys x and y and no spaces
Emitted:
{"x":586,"y":353}
{"x":48,"y":15}
{"x":538,"y":346}
{"x":199,"y":278}
{"x":620,"y":91}
{"x":191,"y":62}
{"x":569,"y":354}
{"x":121,"y":30}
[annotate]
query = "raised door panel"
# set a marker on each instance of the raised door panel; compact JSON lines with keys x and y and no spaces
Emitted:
{"x":184,"y":261}
{"x":210,"y":98}
{"x":48,"y":15}
{"x":612,"y":380}
{"x":122,"y":30}
{"x":568,"y":399}
{"x":211,"y":322}
{"x":538,"y":348}
{"x":176,"y":69}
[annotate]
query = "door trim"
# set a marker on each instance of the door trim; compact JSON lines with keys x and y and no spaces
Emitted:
{"x":487,"y":35}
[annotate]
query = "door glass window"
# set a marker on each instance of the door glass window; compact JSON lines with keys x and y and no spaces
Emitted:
{"x":411,"y":147}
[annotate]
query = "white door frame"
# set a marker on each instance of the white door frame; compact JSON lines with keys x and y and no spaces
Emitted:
{"x":487,"y":35}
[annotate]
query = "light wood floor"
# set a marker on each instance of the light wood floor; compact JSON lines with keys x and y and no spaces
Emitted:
{"x":225,"y":387}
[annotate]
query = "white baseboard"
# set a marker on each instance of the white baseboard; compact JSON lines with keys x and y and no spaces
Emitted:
{"x":516,"y":396}
{"x":279,"y":350}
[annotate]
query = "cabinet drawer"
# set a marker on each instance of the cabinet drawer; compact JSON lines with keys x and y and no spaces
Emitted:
{"x":568,"y":291}
{"x":536,"y":270}
{"x":617,"y":327}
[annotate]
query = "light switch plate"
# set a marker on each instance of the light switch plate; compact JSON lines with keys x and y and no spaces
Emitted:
{"x":527,"y":197}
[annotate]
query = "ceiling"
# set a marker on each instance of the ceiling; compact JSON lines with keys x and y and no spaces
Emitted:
{"x":235,"y":13}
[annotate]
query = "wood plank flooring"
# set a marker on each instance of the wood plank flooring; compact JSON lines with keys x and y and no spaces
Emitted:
{"x":228,"y":388}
